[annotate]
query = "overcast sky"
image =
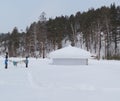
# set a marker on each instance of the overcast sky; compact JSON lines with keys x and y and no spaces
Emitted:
{"x":21,"y":13}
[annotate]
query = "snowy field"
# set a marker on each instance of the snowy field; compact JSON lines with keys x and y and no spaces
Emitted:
{"x":98,"y":81}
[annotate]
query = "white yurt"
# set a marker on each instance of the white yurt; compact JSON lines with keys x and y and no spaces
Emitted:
{"x":70,"y":56}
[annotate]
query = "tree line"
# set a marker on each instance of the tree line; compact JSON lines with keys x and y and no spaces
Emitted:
{"x":96,"y":30}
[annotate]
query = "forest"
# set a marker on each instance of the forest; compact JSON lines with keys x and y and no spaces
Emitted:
{"x":95,"y":30}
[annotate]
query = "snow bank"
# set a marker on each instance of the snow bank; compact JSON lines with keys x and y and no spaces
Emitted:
{"x":70,"y":52}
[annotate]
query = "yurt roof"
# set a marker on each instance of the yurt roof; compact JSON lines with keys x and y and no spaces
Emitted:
{"x":70,"y":52}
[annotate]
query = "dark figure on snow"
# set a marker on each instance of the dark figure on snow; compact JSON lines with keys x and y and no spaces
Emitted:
{"x":26,"y":62}
{"x":6,"y":60}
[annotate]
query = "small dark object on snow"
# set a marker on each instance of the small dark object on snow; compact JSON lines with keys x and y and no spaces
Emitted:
{"x":26,"y":62}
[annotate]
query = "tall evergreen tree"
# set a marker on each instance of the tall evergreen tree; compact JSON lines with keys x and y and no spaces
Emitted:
{"x":14,"y":42}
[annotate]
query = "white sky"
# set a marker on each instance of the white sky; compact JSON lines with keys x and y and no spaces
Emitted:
{"x":21,"y":13}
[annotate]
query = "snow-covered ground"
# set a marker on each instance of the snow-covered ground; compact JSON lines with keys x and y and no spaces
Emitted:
{"x":42,"y":81}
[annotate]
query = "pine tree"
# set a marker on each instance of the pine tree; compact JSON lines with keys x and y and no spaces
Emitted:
{"x":14,"y":42}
